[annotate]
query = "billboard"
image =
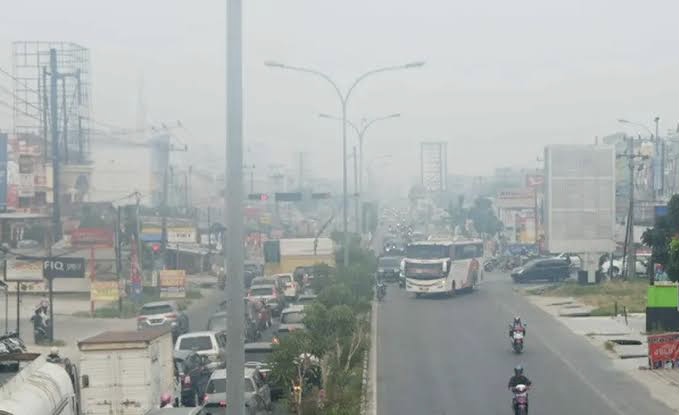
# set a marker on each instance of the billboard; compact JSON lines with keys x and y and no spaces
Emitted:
{"x":172,"y":283}
{"x":580,"y":198}
{"x":434,"y":165}
{"x":515,"y":199}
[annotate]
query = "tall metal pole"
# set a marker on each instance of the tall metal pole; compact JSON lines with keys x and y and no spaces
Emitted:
{"x":360,"y":182}
{"x":234,"y":209}
{"x":357,"y":199}
{"x":56,"y":205}
{"x":631,"y":251}
{"x":658,"y":165}
{"x":345,"y":200}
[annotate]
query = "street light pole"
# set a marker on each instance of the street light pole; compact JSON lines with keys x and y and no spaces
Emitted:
{"x":344,"y":100}
{"x":360,"y":133}
{"x":234,"y":250}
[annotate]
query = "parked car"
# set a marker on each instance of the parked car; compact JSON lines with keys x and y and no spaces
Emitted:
{"x":640,"y":268}
{"x":217,"y":322}
{"x":290,"y":286}
{"x":219,"y":408}
{"x":163,"y":314}
{"x":269,"y":294}
{"x":211,"y":344}
{"x":257,"y":356}
{"x":292,"y":318}
{"x":389,"y":268}
{"x":257,"y":392}
{"x":549,"y":269}
{"x":192,"y":373}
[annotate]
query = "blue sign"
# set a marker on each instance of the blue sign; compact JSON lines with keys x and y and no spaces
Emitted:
{"x":661,"y":211}
{"x":3,"y":171}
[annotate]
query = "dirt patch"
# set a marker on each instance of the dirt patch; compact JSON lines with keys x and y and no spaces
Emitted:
{"x":603,"y":297}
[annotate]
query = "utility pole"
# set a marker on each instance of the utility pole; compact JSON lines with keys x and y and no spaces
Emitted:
{"x":56,"y":196}
{"x":140,"y":254}
{"x":235,"y":359}
{"x":658,"y":163}
{"x":630,"y":251}
{"x":119,"y":258}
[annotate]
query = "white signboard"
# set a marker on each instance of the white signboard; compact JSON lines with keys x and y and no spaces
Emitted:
{"x":515,"y":199}
{"x":580,"y":198}
{"x":434,"y":166}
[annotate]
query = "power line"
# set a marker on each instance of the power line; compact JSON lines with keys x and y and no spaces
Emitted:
{"x":19,"y":98}
{"x":18,"y":80}
{"x":22,"y":112}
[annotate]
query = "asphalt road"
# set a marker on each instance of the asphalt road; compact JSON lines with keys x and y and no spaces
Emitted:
{"x":452,"y":356}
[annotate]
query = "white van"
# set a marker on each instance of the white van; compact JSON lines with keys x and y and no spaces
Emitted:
{"x":206,"y":343}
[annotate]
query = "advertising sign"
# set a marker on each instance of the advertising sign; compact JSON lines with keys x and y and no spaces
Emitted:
{"x":172,"y":283}
{"x":24,"y":270}
{"x":92,"y":237}
{"x":104,"y":291}
{"x":175,"y":234}
{"x":663,"y":350}
{"x":515,"y":199}
{"x":63,"y":268}
{"x":535,"y":180}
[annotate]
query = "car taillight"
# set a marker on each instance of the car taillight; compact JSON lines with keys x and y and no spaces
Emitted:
{"x":171,"y":316}
{"x":141,"y":318}
{"x":222,"y":404}
{"x":205,"y":398}
{"x":187,"y":380}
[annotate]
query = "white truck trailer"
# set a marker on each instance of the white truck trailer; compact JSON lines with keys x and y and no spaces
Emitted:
{"x":126,"y":372}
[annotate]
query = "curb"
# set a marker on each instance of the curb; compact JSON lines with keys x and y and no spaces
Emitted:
{"x":364,"y":385}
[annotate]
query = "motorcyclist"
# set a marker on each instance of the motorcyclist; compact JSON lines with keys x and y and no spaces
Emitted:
{"x":516,"y":325}
{"x":518,"y":379}
{"x":166,"y":400}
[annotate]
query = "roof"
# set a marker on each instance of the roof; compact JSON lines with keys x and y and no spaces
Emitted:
{"x":124,"y":336}
{"x":221,"y":373}
{"x":22,"y":215}
{"x":157,"y":303}
{"x":295,"y":308}
{"x":197,"y":334}
{"x":305,"y":246}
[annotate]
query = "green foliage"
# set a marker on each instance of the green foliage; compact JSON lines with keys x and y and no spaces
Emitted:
{"x":660,"y":238}
{"x":673,"y":260}
{"x":481,"y":213}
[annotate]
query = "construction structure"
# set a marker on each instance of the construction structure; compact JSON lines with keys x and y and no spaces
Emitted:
{"x":434,"y":166}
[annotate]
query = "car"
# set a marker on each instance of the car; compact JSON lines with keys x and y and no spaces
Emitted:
{"x":269,"y":294}
{"x":305,"y":299}
{"x":290,"y":286}
{"x":211,"y":344}
{"x":618,"y":266}
{"x":574,"y":259}
{"x":217,"y":322}
{"x":176,"y":411}
{"x":258,"y":355}
{"x":389,"y":268}
{"x":163,"y":314}
{"x":192,"y":373}
{"x":292,"y":318}
{"x":549,"y":269}
{"x":256,"y":389}
{"x":219,"y":408}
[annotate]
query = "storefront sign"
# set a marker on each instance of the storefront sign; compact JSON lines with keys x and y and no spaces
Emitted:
{"x":172,"y":283}
{"x":104,"y":291}
{"x":92,"y":237}
{"x":64,"y":268}
{"x":175,"y":235}
{"x":515,"y":199}
{"x":663,"y":350}
{"x":24,"y":270}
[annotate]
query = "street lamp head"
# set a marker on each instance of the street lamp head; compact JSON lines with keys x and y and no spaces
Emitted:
{"x":623,"y":121}
{"x":395,"y":115}
{"x":274,"y":64}
{"x":413,"y":65}
{"x":322,"y":115}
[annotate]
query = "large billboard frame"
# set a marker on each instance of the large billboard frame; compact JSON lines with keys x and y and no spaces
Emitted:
{"x":583,"y":244}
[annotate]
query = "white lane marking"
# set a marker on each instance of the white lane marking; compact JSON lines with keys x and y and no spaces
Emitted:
{"x":573,"y":369}
{"x":372,"y":372}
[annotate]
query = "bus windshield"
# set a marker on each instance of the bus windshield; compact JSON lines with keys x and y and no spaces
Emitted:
{"x":427,"y":251}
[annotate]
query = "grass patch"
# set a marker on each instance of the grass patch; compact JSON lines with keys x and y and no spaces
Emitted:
{"x":603,"y":297}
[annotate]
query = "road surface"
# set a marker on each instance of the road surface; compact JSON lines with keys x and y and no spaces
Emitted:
{"x":452,"y":356}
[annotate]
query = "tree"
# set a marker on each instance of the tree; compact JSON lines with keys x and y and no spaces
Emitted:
{"x":483,"y":216}
{"x":660,"y":239}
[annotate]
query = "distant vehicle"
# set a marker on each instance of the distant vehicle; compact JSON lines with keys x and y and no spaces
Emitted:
{"x":389,"y":268}
{"x":546,"y":269}
{"x":268,"y":294}
{"x":257,"y":391}
{"x":258,"y":356}
{"x":290,"y":286}
{"x":618,"y":267}
{"x":192,"y":374}
{"x":211,"y":344}
{"x":119,"y":367}
{"x":163,"y":314}
{"x":292,"y":318}
{"x":306,"y":299}
{"x":217,"y":322}
{"x":574,"y":259}
{"x":446,"y":267}
{"x":219,"y":408}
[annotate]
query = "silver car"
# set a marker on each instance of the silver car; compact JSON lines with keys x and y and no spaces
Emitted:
{"x":163,"y":314}
{"x":257,"y":392}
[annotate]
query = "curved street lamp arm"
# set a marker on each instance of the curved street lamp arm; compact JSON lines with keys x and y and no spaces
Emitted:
{"x":317,"y":73}
{"x":369,"y":73}
{"x":349,"y":123}
{"x":374,"y":120}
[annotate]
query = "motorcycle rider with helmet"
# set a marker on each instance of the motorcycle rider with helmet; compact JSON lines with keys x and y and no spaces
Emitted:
{"x":166,"y":400}
{"x":518,"y":379}
{"x":517,"y":325}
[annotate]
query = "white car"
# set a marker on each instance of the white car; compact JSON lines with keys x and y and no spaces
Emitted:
{"x":205,"y":343}
{"x":640,"y":268}
{"x":575,"y":261}
{"x":290,"y":286}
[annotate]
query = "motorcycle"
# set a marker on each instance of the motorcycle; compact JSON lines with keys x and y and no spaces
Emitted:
{"x":517,"y":341}
{"x":520,"y":399}
{"x":381,"y":291}
{"x":490,"y":264}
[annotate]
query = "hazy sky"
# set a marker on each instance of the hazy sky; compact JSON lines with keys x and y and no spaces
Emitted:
{"x":501,"y":80}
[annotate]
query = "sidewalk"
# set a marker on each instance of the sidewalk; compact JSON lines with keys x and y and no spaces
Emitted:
{"x":623,"y":341}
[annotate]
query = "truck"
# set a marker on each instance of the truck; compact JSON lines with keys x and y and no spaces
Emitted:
{"x":283,"y":256}
{"x":33,"y":383}
{"x":126,"y":372}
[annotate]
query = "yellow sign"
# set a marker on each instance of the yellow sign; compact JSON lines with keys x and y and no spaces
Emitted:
{"x":104,"y":291}
{"x":172,"y":283}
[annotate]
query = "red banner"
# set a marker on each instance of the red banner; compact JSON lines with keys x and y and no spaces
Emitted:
{"x":663,"y":350}
{"x":92,"y":237}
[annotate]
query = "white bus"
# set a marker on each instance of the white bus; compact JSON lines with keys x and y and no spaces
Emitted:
{"x":443,"y":266}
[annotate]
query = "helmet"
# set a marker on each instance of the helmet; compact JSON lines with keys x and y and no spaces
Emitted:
{"x":517,"y":320}
{"x":518,"y":371}
{"x":165,"y":399}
